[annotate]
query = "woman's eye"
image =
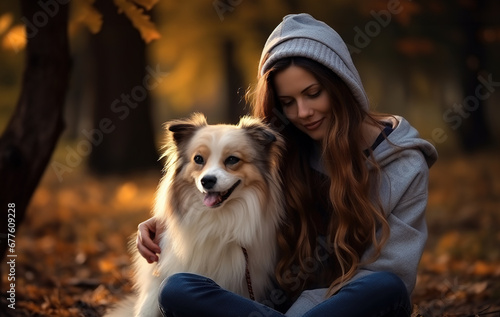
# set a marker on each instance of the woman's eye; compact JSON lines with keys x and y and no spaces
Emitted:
{"x":231,"y":160}
{"x":198,"y":159}
{"x":286,"y":103}
{"x":315,"y":94}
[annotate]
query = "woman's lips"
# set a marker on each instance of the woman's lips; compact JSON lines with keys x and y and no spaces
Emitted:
{"x":314,"y":125}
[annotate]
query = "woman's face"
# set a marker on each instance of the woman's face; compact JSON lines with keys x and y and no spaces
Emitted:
{"x":304,"y":100}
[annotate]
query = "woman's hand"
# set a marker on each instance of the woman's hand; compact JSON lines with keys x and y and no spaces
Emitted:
{"x":148,"y":233}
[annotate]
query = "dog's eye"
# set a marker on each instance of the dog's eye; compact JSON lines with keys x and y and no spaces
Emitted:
{"x":198,"y":159}
{"x":231,"y":160}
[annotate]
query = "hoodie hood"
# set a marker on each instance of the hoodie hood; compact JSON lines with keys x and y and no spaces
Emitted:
{"x":404,"y":136}
{"x":301,"y":35}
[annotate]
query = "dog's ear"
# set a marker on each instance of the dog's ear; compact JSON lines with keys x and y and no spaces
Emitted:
{"x":260,"y":132}
{"x":182,"y":130}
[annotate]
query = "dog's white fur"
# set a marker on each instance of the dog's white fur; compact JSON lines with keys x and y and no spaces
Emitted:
{"x":208,"y":240}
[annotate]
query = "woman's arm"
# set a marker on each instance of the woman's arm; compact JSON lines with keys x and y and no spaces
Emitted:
{"x":404,"y":197}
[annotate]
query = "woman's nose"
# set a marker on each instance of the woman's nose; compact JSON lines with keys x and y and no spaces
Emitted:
{"x":303,"y":110}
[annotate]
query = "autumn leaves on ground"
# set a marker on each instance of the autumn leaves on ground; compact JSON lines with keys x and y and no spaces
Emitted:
{"x":72,"y":257}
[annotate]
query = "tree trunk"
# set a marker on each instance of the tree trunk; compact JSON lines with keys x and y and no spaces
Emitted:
{"x":474,"y":132}
{"x":34,"y":129}
{"x":123,"y":134}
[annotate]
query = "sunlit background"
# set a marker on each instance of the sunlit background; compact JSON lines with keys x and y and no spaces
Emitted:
{"x":140,"y":63}
{"x":413,"y":57}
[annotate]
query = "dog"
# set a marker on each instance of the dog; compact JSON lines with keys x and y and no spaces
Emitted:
{"x":220,"y":200}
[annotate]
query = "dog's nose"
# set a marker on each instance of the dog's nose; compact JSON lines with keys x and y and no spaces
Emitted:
{"x":208,"y":182}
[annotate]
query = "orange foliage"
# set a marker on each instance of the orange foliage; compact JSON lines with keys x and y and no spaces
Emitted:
{"x":5,"y":22}
{"x":84,"y":13}
{"x":140,"y":21}
{"x":15,"y":38}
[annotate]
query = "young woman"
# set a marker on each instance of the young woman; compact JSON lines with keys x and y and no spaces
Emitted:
{"x":355,"y":188}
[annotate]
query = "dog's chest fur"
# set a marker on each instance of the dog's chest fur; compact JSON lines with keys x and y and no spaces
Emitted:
{"x":213,"y":248}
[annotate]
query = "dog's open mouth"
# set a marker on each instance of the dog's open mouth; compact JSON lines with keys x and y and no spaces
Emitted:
{"x":215,"y":199}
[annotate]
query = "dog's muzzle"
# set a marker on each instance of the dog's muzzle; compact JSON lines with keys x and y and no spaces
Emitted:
{"x":213,"y":198}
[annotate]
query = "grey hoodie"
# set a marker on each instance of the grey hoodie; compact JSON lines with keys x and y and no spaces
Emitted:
{"x":403,"y":194}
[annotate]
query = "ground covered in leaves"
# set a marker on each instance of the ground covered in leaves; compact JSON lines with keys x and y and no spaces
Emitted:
{"x":72,"y":257}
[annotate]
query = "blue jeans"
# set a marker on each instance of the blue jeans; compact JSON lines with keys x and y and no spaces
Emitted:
{"x":190,"y":295}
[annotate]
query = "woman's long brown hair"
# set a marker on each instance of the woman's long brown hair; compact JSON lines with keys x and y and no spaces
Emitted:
{"x":322,"y":240}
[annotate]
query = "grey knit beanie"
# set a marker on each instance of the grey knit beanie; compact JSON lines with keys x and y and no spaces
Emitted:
{"x":302,"y":35}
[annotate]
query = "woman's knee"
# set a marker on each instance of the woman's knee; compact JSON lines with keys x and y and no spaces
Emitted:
{"x":392,"y":287}
{"x":385,"y":291}
{"x":381,"y":285}
{"x":176,"y":289}
{"x":388,"y":282}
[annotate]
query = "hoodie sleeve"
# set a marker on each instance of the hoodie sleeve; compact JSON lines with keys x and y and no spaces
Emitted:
{"x":403,"y":193}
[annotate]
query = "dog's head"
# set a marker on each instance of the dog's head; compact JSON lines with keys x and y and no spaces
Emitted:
{"x":222,"y":160}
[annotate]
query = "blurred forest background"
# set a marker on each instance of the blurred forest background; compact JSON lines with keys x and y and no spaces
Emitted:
{"x":86,"y":85}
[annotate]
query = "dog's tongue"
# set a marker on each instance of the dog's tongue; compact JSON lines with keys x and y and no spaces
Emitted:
{"x":211,"y":199}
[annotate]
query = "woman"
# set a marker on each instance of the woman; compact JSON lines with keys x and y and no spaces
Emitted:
{"x":355,"y":189}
